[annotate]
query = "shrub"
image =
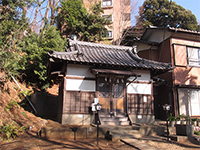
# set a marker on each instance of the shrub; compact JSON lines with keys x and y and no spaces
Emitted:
{"x":171,"y":117}
{"x":11,"y":104}
{"x":26,"y":92}
{"x":10,"y":130}
{"x":197,"y":130}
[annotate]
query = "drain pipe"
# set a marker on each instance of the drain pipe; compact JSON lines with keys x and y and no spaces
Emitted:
{"x":25,"y":95}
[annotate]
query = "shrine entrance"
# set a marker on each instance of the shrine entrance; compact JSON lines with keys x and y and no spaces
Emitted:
{"x":112,"y":94}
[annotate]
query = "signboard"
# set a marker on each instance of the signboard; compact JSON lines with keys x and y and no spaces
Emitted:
{"x":96,"y":100}
{"x":93,"y":107}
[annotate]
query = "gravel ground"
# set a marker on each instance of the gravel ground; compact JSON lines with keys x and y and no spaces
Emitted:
{"x":172,"y":145}
{"x":32,"y":142}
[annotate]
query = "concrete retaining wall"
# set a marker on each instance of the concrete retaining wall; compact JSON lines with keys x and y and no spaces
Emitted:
{"x":152,"y":130}
{"x":77,"y":119}
{"x":75,"y":132}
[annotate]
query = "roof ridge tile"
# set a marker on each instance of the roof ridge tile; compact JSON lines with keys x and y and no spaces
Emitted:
{"x":74,"y":42}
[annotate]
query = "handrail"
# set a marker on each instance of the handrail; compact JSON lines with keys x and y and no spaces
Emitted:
{"x":25,"y":95}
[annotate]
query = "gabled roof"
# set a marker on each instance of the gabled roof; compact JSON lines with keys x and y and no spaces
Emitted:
{"x":158,"y":34}
{"x":105,"y":56}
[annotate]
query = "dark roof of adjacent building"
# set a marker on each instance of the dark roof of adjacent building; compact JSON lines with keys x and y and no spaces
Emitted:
{"x":106,"y":56}
{"x":161,"y":33}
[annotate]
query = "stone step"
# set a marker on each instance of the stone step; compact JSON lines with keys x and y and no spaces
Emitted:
{"x":120,"y":119}
{"x":118,"y":115}
{"x":118,"y":127}
{"x":127,"y":132}
{"x":118,"y":136}
{"x":122,"y":123}
{"x":138,"y":144}
{"x":114,"y":118}
{"x":160,"y":122}
{"x":115,"y":135}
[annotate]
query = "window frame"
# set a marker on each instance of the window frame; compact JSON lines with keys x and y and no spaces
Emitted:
{"x":194,"y":62}
{"x":106,"y":2}
{"x":195,"y":93}
{"x":106,"y":16}
{"x":109,"y":37}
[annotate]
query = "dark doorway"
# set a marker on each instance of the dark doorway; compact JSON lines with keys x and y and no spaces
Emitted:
{"x":111,"y":94}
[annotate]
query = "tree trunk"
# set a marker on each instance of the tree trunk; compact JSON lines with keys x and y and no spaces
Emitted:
{"x":45,"y":19}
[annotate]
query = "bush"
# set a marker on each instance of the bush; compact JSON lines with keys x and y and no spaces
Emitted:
{"x":197,"y":130}
{"x":171,"y":117}
{"x":11,"y":104}
{"x":10,"y":131}
{"x":34,"y":59}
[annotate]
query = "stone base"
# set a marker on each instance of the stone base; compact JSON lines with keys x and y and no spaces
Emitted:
{"x":172,"y":130}
{"x":185,"y":130}
{"x":152,"y":130}
{"x":73,"y":132}
{"x":178,"y":138}
{"x":77,"y":119}
{"x":143,"y":119}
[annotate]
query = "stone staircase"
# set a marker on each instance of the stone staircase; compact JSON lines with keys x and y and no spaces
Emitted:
{"x":118,"y":132}
{"x":134,"y":131}
{"x":119,"y":119}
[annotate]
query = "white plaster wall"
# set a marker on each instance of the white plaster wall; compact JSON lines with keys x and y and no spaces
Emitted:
{"x":145,"y":75}
{"x":89,"y":85}
{"x":79,"y":70}
{"x":80,"y":85}
{"x":139,"y":88}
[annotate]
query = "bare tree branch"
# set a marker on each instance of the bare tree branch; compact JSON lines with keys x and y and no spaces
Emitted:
{"x":33,"y":23}
{"x":44,"y":21}
{"x":123,"y":23}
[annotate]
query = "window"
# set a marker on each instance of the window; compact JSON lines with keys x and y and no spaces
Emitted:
{"x":194,"y":103}
{"x":189,"y":101}
{"x":193,"y":55}
{"x":106,"y":3}
{"x":108,"y":34}
{"x":107,"y":17}
{"x":126,"y":17}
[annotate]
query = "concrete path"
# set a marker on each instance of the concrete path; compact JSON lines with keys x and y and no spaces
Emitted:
{"x":138,"y":144}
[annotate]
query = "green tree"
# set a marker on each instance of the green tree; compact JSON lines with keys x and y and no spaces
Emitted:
{"x":12,"y":28}
{"x":34,"y":60}
{"x":22,"y":52}
{"x":74,"y":19}
{"x":71,"y":16}
{"x":160,"y":13}
{"x":163,"y":13}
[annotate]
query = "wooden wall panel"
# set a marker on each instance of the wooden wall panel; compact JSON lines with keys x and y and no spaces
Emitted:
{"x":78,"y":102}
{"x":139,"y":105}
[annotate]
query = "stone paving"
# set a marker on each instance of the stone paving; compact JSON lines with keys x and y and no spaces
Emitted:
{"x":138,"y":144}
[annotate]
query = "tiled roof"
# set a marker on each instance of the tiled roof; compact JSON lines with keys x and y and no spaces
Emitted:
{"x":174,"y":29}
{"x":106,"y":55}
